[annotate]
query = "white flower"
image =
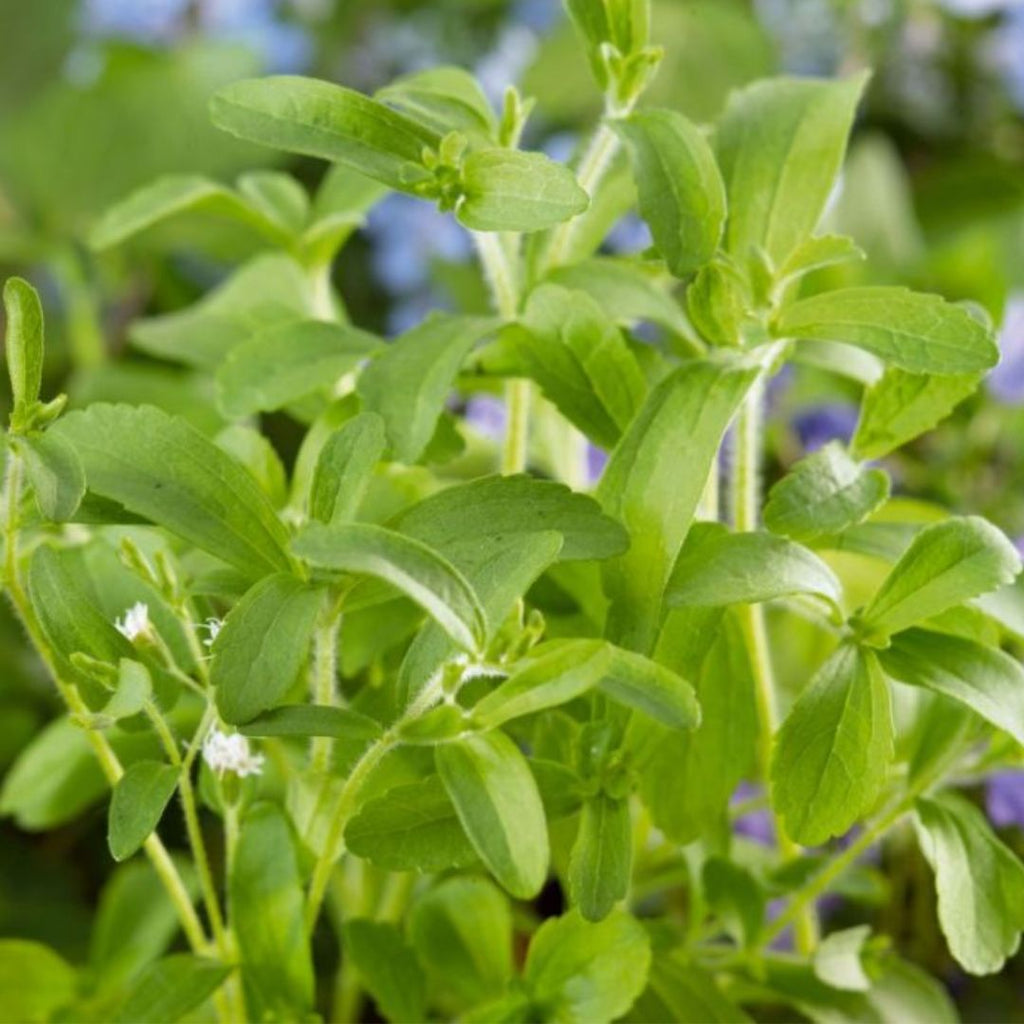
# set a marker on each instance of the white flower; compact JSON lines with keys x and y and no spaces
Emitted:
{"x":135,"y":621}
{"x":229,"y":752}
{"x":213,"y":628}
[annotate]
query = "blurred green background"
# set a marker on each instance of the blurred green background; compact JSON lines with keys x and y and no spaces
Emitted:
{"x":100,"y":96}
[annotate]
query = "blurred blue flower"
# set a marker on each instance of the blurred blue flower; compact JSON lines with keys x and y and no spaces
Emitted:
{"x":978,"y":8}
{"x":1004,"y":799}
{"x":1005,"y":50}
{"x":597,"y":459}
{"x":513,"y":52}
{"x":757,"y":824}
{"x":1006,"y":381}
{"x":629,"y":235}
{"x":145,"y":21}
{"x":486,"y":415}
{"x":539,"y":15}
{"x":819,"y":424}
{"x":807,"y":32}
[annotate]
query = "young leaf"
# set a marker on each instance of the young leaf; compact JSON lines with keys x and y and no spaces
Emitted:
{"x":642,"y":487}
{"x":901,"y":406}
{"x":780,"y":145}
{"x":509,"y":190}
{"x":286,"y":362}
{"x":35,"y":981}
{"x":600,"y":867}
{"x":160,"y":467}
{"x":946,"y":564}
{"x":171,"y":987}
{"x":388,"y":968}
{"x":415,"y":569}
{"x":817,"y":252}
{"x":510,"y":506}
{"x":462,"y":933}
{"x":263,"y":646}
{"x":24,"y":344}
{"x":838,"y":962}
{"x":344,"y":467}
{"x":681,"y":193}
{"x":979,"y":882}
{"x":580,"y":972}
{"x":642,"y":684}
{"x":716,"y":567}
{"x":982,"y":678}
{"x":313,"y":720}
{"x":139,"y":800}
{"x":445,"y":99}
{"x":497,"y":801}
{"x":304,"y":115}
{"x":408,"y":383}
{"x":56,"y":475}
{"x":825,"y":493}
{"x":412,"y":827}
{"x":265,"y":890}
{"x":174,"y":194}
{"x":834,"y":749}
{"x":911,"y":330}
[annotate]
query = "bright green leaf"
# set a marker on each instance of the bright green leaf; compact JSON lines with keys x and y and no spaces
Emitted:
{"x":35,"y":982}
{"x":170,"y":988}
{"x":344,"y":467}
{"x":24,"y":343}
{"x":600,"y":866}
{"x":445,"y":99}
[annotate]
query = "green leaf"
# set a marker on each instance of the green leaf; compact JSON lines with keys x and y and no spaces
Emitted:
{"x":462,"y":932}
{"x":24,"y":344}
{"x":642,"y":486}
{"x":272,"y":288}
{"x":580,"y":360}
{"x":511,"y":506}
{"x":687,"y":778}
{"x":681,"y":193}
{"x":679,"y":991}
{"x":901,"y":406}
{"x":979,"y":882}
{"x":627,"y":291}
{"x":174,"y":194}
{"x":35,"y":981}
{"x":817,"y":252}
{"x":313,"y":720}
{"x":982,"y":678}
{"x":946,"y":564}
{"x":780,"y":145}
{"x":497,"y":801}
{"x":824,"y":493}
{"x":388,"y":968}
{"x":736,"y":898}
{"x":135,"y":923}
{"x":412,"y":567}
{"x":580,"y":972}
{"x":716,"y":567}
{"x":600,"y":867}
{"x":412,"y":827}
{"x":409,"y":382}
{"x":287,"y":362}
{"x":170,"y":988}
{"x":646,"y":686}
{"x":344,"y":467}
{"x":509,"y":190}
{"x":315,"y":118}
{"x":160,"y":467}
{"x":911,"y":330}
{"x":278,"y":197}
{"x":445,"y":99}
{"x":838,"y":959}
{"x":263,"y":645}
{"x":265,"y":890}
{"x":134,"y":689}
{"x":138,"y":802}
{"x":55,"y":473}
{"x":905,"y":992}
{"x":834,"y":748}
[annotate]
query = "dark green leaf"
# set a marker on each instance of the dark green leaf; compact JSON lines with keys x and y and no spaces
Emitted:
{"x":834,"y":749}
{"x":139,"y":800}
{"x":497,"y":801}
{"x":313,"y":720}
{"x":160,"y":467}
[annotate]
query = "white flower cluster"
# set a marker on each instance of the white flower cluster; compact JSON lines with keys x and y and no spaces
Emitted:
{"x":213,"y":628}
{"x":229,"y":752}
{"x":134,"y":622}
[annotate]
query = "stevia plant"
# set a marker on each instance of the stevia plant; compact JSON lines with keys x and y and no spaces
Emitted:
{"x":397,"y":696}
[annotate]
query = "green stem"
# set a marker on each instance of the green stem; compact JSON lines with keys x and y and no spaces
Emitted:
{"x":499,"y":259}
{"x":746,"y":509}
{"x":325,"y":686}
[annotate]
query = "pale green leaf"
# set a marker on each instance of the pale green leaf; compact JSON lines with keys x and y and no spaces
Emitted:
{"x":681,"y":193}
{"x":838,"y":959}
{"x":445,"y":99}
{"x":834,"y":748}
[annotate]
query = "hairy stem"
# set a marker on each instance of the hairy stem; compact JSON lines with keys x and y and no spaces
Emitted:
{"x":746,"y":510}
